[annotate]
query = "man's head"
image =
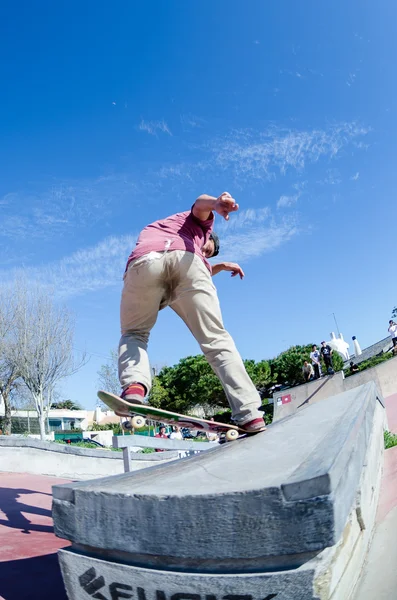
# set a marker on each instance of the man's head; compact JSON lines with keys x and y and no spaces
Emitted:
{"x":211,"y":247}
{"x":162,"y":430}
{"x":323,"y":343}
{"x":305,"y":363}
{"x":314,"y":347}
{"x":391,"y":322}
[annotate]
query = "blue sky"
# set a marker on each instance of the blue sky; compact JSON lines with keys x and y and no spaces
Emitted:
{"x":114,"y":115}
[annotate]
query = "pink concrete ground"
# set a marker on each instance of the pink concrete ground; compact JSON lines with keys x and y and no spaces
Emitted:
{"x":391,"y":411}
{"x":29,"y":567}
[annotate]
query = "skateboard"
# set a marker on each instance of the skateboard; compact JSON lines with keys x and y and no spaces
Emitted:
{"x":139,"y":413}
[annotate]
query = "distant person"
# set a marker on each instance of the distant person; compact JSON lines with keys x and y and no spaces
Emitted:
{"x":176,"y":433}
{"x":161,"y":434}
{"x":353,"y":367}
{"x":315,"y":357}
{"x":308,"y":371}
{"x":212,"y":436}
{"x":326,"y":352}
{"x":393,"y":332}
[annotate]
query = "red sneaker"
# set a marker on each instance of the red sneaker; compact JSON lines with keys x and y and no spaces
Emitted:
{"x":254,"y":426}
{"x":134,"y":393}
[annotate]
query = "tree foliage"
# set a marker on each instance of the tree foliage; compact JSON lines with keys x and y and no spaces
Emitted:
{"x":286,"y":368}
{"x":192,"y":382}
{"x":42,"y":351}
{"x":65,"y":404}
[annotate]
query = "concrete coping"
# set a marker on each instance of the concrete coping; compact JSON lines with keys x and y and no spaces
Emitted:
{"x":16,"y":442}
{"x":287,"y":491}
{"x":128,"y":441}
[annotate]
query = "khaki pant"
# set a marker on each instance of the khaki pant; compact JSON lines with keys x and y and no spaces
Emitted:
{"x":180,"y":279}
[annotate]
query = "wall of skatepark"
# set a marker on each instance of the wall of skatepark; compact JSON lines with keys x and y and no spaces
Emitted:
{"x":18,"y":455}
{"x":384,"y":375}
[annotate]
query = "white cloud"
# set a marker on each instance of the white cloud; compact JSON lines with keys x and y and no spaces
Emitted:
{"x":332,"y":178}
{"x":255,"y":241}
{"x":261,"y":155}
{"x":251,"y":233}
{"x":91,"y":269}
{"x":191,"y":121}
{"x":243,"y":219}
{"x":285,"y":201}
{"x":63,"y":207}
{"x":153,"y":127}
{"x":356,"y":176}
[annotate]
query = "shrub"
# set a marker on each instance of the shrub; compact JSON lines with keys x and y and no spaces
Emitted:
{"x":371,"y":362}
{"x":390,"y":439}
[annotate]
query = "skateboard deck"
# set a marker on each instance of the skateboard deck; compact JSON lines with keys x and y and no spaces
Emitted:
{"x":125,"y":409}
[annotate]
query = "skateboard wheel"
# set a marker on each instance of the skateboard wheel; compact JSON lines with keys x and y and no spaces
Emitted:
{"x":138,"y":422}
{"x":231,"y":435}
{"x":127,"y":425}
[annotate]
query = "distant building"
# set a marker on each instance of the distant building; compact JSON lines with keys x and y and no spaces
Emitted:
{"x":59,"y":420}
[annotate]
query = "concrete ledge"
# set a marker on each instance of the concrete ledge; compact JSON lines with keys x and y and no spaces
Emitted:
{"x":48,"y":458}
{"x":272,"y":501}
{"x":152,"y":442}
{"x":331,"y":574}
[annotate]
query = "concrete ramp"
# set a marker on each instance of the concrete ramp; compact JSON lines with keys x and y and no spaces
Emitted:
{"x":286,"y":514}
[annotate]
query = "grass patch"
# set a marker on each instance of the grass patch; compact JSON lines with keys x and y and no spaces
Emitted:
{"x":371,"y":362}
{"x":390,"y":439}
{"x":80,"y":445}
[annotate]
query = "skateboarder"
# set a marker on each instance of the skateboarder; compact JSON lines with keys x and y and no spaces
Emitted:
{"x":169,"y":267}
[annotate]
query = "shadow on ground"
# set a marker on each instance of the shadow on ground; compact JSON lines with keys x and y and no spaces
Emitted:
{"x":32,"y":579}
{"x":13,"y":510}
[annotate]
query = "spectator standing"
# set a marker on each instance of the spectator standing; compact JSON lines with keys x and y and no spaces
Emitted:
{"x":161,"y":434}
{"x":315,"y":357}
{"x":176,"y":433}
{"x":326,"y":352}
{"x":308,"y":371}
{"x":393,"y":332}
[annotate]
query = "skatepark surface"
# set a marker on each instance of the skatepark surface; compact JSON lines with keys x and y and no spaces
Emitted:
{"x":29,"y":568}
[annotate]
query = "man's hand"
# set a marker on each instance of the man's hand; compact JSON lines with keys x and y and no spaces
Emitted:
{"x":205,"y":204}
{"x":228,"y":266}
{"x":225,"y":204}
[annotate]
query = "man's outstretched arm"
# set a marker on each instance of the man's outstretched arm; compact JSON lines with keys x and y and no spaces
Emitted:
{"x":205,"y":205}
{"x":228,"y":266}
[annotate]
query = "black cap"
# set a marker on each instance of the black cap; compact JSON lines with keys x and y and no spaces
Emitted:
{"x":217,"y":245}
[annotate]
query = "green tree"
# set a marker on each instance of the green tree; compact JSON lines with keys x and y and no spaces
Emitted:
{"x":286,"y":368}
{"x":65,"y":404}
{"x":260,"y":373}
{"x":192,"y":382}
{"x":337,"y":361}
